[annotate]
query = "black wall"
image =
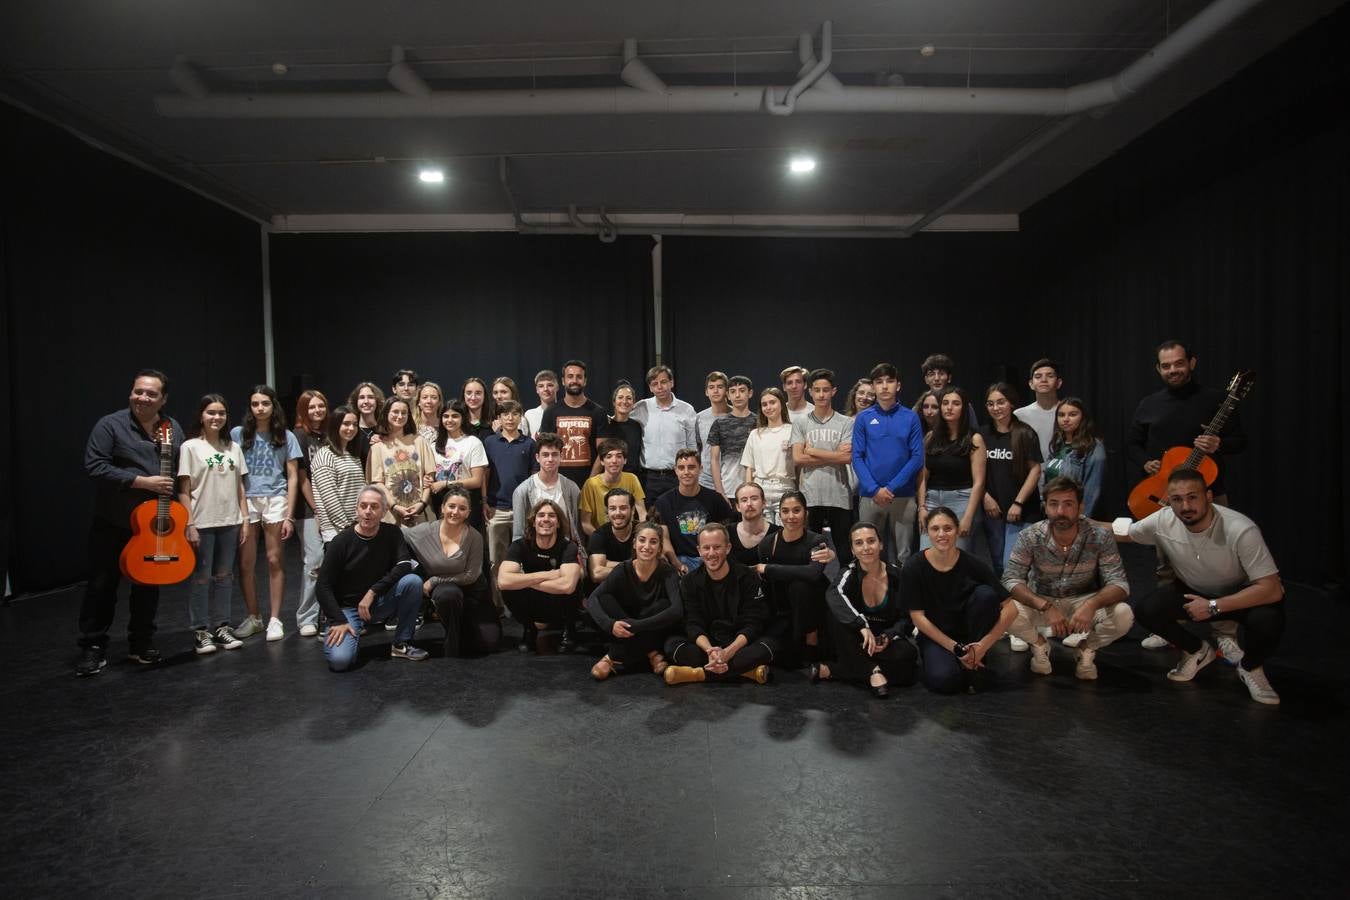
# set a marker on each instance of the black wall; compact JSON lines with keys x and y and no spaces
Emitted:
{"x":351,"y":308}
{"x":106,"y":269}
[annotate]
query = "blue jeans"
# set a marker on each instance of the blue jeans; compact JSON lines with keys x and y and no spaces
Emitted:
{"x":402,"y":602}
{"x":692,"y":562}
{"x":1001,"y":536}
{"x":212,"y":584}
{"x":956,"y":501}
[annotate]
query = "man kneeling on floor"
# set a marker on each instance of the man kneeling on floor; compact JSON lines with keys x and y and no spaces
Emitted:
{"x":1066,"y":577}
{"x":367,"y":574}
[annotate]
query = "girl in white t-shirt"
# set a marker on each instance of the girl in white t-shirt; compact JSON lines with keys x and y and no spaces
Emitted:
{"x":460,"y":460}
{"x":211,"y":472}
{"x":767,"y":458}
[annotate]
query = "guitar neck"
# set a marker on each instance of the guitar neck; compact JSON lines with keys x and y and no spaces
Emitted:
{"x":165,"y":470}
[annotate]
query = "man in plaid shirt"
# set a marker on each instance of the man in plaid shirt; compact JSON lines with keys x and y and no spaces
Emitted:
{"x":1066,"y":577}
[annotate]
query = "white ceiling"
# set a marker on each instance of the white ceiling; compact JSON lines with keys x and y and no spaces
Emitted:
{"x":97,"y":65}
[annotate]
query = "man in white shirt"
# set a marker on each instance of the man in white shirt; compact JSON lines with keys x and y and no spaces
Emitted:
{"x":546,"y":386}
{"x":1040,"y":413}
{"x":668,"y":427}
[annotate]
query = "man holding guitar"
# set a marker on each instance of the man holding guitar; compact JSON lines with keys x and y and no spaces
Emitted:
{"x":123,"y":458}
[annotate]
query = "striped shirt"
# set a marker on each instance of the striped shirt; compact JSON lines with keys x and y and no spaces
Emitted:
{"x":1091,"y":563}
{"x":337,"y":482}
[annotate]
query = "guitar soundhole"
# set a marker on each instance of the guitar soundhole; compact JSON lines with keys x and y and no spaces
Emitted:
{"x":163,"y":525}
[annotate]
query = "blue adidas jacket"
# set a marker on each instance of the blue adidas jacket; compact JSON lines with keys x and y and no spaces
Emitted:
{"x":887,"y":450}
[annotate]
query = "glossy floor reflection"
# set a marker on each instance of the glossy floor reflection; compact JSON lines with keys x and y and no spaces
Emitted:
{"x":259,"y":772}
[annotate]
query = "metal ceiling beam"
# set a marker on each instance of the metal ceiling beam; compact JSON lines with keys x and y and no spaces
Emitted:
{"x":1053,"y":102}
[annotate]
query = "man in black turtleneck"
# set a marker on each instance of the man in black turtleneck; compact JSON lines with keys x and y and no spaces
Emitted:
{"x":1176,"y":415}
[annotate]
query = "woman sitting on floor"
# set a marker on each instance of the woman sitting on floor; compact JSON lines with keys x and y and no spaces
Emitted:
{"x":797,"y":567}
{"x":872,"y":625}
{"x":637,"y":606}
{"x":450,"y":558}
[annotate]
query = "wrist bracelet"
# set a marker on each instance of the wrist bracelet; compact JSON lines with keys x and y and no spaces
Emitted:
{"x":1213,"y":608}
{"x":1015,"y":503}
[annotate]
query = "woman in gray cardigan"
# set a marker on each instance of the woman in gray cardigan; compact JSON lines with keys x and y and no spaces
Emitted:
{"x":450,"y":559}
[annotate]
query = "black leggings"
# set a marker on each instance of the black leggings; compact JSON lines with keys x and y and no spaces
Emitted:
{"x":631,"y":652}
{"x":799,"y":609}
{"x":529,"y":606}
{"x":468,"y":616}
{"x":851,"y":663}
{"x":1261,"y":626}
{"x":942,"y":672}
{"x":760,"y":652}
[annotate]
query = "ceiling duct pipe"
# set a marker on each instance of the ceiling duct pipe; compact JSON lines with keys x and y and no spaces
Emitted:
{"x":510,"y":194}
{"x":635,"y":72}
{"x":789,"y":102}
{"x":188,"y":79}
{"x":806,"y":53}
{"x":686,"y":99}
{"x":402,"y":76}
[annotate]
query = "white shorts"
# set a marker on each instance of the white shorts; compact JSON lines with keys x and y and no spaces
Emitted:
{"x":270,"y":510}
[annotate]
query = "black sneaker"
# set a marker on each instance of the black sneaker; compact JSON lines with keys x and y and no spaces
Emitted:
{"x":568,"y":643}
{"x":145,"y":656}
{"x":92,"y":661}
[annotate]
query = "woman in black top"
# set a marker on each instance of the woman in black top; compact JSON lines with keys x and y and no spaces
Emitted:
{"x":1012,"y":470}
{"x":637,"y":606}
{"x":797,"y":567}
{"x":953,"y":468}
{"x":366,"y":399}
{"x":620,"y":426}
{"x":958,"y":605}
{"x":482,"y":408}
{"x":871,"y":627}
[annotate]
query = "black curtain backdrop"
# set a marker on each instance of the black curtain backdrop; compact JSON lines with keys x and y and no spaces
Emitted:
{"x":106,"y":269}
{"x":351,"y":308}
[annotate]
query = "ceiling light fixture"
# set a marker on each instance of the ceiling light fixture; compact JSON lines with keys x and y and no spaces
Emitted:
{"x":800,"y":165}
{"x":431,"y":176}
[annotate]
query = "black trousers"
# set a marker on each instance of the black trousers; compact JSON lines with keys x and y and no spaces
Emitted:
{"x":942,"y":673}
{"x":100,"y":593}
{"x":839,"y":521}
{"x":760,"y":652}
{"x":630,"y":652}
{"x":529,"y":606}
{"x":468,"y":617}
{"x":898,"y":661}
{"x":1260,"y":627}
{"x":798,"y":610}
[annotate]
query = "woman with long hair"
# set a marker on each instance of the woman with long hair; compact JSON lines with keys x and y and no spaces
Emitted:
{"x":428,"y":410}
{"x":482,"y":408}
{"x":337,"y":474}
{"x":366,"y":399}
{"x":311,"y":433}
{"x":637,"y":607}
{"x":503,"y":389}
{"x":211,"y":471}
{"x":1012,"y":500}
{"x":271,"y":453}
{"x":767,"y":458}
{"x":1076,"y":452}
{"x":860,"y":396}
{"x":928,"y":409}
{"x":399,"y":463}
{"x":958,"y":605}
{"x":450,"y":558}
{"x":461,"y":461}
{"x":621,"y":427}
{"x":871,"y":624}
{"x":953,"y":469}
{"x":797,"y":566}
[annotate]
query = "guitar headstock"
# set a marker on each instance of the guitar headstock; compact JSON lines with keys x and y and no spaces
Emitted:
{"x":165,"y":432}
{"x":1241,"y":384}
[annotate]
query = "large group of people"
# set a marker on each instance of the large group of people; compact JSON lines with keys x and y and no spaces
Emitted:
{"x":876,"y":545}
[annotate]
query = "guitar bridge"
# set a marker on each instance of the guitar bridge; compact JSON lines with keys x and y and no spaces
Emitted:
{"x":159,"y":559}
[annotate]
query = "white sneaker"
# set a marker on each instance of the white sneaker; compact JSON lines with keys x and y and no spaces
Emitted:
{"x":1017,"y":645}
{"x":1190,"y":663}
{"x":1229,"y":649}
{"x":1259,"y":686}
{"x":275,"y":630}
{"x":309,"y":629}
{"x":1040,"y":657}
{"x":249,"y":627}
{"x":1073,"y":640}
{"x":1153,"y":642}
{"x":1087,"y":664}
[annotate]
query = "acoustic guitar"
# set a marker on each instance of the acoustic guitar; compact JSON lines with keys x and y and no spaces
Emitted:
{"x":1150,"y":495}
{"x":158,"y":552}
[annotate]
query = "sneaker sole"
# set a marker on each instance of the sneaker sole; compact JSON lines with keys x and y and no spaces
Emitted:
{"x":80,"y":673}
{"x":206,"y":651}
{"x":1177,"y":677}
{"x":141,"y":661}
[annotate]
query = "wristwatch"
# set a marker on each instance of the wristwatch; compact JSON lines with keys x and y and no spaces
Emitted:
{"x":958,"y":649}
{"x":1213,"y":608}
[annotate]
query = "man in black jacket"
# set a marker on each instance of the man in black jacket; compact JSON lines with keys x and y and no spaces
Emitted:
{"x":724,"y":617}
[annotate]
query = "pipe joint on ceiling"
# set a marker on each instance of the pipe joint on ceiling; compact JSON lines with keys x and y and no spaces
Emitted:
{"x":404,"y":78}
{"x":788,"y":105}
{"x":635,"y":72}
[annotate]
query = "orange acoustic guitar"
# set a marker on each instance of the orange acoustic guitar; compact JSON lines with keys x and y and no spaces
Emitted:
{"x":1150,"y":495}
{"x":159,"y":552}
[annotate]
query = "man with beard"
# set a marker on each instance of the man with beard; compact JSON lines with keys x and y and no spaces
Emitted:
{"x":1223,"y":573}
{"x":612,"y":543}
{"x":577,"y":420}
{"x":1065,"y":574}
